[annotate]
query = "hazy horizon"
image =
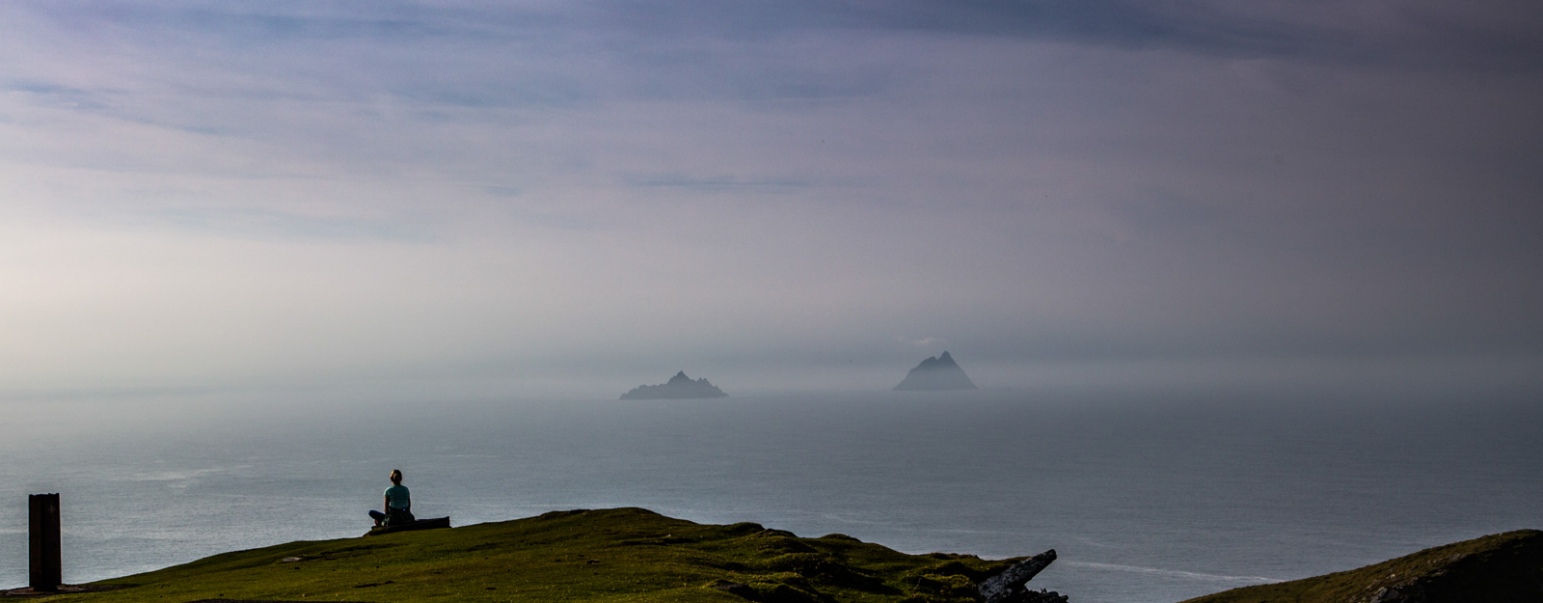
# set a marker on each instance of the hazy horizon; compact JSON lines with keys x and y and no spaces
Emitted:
{"x":531,"y":199}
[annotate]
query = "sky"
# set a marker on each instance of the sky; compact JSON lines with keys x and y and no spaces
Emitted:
{"x":544,"y":198}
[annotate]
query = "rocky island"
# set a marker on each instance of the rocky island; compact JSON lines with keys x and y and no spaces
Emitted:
{"x":940,"y":373}
{"x":679,"y":387}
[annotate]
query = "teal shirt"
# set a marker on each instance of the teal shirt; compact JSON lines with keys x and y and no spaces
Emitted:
{"x":397,"y":497}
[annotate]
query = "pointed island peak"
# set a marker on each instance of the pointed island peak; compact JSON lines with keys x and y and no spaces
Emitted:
{"x":938,"y":373}
{"x":678,"y":387}
{"x":943,"y":360}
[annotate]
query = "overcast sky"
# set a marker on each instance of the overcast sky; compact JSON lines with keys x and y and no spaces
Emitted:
{"x":586,"y":196}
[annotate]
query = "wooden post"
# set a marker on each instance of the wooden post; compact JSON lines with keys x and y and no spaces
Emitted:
{"x":47,"y":569}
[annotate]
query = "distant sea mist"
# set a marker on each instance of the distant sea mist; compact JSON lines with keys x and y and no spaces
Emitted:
{"x":1153,"y":496}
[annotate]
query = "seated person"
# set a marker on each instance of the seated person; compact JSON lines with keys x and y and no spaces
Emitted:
{"x":399,"y":504}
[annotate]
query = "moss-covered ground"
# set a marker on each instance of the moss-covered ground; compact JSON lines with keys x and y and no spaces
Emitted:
{"x":1502,"y":568}
{"x":616,"y":555}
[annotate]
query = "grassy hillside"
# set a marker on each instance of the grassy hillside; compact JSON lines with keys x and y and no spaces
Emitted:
{"x":1503,"y":568}
{"x":612,"y":555}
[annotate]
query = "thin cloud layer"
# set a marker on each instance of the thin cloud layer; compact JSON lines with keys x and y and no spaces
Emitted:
{"x":200,"y":194}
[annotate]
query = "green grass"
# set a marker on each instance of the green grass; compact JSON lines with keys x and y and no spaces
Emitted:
{"x":624,"y":555}
{"x":613,"y":556}
{"x":1502,"y":568}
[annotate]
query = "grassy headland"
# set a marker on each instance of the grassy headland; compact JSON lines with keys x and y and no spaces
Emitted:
{"x":614,"y":555}
{"x":624,"y":555}
{"x":1501,"y":568}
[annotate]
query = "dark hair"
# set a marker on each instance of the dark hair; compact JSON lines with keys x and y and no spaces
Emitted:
{"x":396,"y":476}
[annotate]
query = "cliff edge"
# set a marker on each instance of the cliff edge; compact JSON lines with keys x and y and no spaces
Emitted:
{"x":1501,"y":568}
{"x":599,"y":556}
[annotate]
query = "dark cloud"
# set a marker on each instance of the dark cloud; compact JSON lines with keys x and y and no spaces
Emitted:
{"x":1496,"y":34}
{"x":1490,"y":34}
{"x":274,"y":22}
{"x":53,"y":94}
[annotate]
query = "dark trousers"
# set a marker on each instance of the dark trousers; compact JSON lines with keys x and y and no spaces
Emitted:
{"x":395,"y":518}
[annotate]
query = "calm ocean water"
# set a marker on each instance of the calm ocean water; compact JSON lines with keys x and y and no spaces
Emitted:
{"x":1147,"y":498}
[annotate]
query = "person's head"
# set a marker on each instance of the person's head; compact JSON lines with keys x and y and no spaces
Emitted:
{"x":396,"y":476}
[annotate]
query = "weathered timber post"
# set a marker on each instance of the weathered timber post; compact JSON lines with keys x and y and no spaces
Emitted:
{"x":47,"y":569}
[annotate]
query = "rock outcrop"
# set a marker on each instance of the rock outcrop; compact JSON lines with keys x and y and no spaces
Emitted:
{"x":1011,"y":586}
{"x":679,"y":387}
{"x":940,"y":373}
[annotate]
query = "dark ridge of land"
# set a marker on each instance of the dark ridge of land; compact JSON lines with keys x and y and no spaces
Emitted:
{"x":677,"y":388}
{"x":1501,"y":568}
{"x":634,"y":555}
{"x":939,"y":373}
{"x":614,"y":555}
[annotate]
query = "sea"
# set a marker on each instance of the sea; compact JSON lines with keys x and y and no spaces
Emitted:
{"x":1146,"y":495}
